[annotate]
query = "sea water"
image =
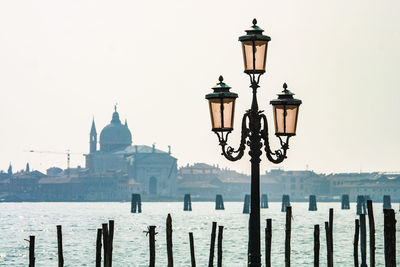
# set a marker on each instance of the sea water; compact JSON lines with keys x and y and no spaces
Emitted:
{"x":131,"y":246}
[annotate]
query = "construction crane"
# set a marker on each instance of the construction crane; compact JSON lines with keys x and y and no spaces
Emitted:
{"x":67,"y":152}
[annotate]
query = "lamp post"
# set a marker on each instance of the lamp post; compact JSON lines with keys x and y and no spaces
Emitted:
{"x":254,"y":125}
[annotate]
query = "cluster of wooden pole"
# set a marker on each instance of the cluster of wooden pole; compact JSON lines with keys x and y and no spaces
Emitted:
{"x":264,"y":201}
{"x":151,"y":232}
{"x":345,"y":202}
{"x":312,"y":205}
{"x":187,"y":203}
{"x":107,"y":232}
{"x":136,"y":203}
{"x":219,"y":202}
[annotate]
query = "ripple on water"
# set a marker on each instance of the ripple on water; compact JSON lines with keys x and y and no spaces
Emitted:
{"x":80,"y":222}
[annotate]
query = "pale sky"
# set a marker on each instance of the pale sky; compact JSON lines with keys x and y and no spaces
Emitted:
{"x":64,"y":62}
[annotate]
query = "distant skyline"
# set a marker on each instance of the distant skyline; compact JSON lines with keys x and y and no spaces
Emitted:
{"x":63,"y":63}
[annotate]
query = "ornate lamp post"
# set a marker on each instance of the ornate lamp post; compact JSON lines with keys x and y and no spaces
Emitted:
{"x":254,"y":125}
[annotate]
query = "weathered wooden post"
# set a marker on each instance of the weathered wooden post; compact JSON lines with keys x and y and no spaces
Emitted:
{"x":387,"y":203}
{"x":316,"y":245}
{"x":356,"y":238}
{"x":285,"y":202}
{"x":264,"y":201}
{"x":152,"y":243}
{"x":133,"y":203}
{"x":110,"y":241}
{"x":31,"y":251}
{"x":361,"y":205}
{"x":246,"y":204}
{"x":288,"y":230}
{"x":220,"y":232}
{"x":268,"y":239}
{"x":60,"y":247}
{"x":187,"y":203}
{"x":328,"y":243}
{"x":331,"y":233}
{"x":192,"y":256}
{"x":98,"y":247}
{"x":105,"y":244}
{"x":312,"y":205}
{"x":219,"y":202}
{"x":371,"y":233}
{"x":212,"y":245}
{"x":169,"y":241}
{"x":139,"y":203}
{"x":363,"y":241}
{"x":136,"y":203}
{"x":345,"y":202}
{"x":390,"y":237}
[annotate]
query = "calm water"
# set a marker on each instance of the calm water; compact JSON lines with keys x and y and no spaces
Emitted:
{"x":81,"y":220}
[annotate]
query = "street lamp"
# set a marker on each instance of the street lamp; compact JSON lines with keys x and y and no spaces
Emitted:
{"x":254,"y":125}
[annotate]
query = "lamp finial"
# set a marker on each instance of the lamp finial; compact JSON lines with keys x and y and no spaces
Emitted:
{"x":254,"y":22}
{"x":221,"y":79}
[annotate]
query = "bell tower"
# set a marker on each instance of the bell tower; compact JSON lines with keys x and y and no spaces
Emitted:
{"x":93,"y":138}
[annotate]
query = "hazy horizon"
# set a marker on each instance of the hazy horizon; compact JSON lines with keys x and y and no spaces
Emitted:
{"x":63,"y":63}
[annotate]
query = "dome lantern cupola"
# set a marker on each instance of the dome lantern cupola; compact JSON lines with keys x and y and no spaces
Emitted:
{"x":115,"y":135}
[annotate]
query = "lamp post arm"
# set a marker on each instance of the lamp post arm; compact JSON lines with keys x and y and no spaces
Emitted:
{"x":229,"y":152}
{"x":278,"y":155}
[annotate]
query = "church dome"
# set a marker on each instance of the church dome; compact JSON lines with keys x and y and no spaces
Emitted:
{"x":115,"y":135}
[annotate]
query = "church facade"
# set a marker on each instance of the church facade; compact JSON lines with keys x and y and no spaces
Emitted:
{"x":153,"y":170}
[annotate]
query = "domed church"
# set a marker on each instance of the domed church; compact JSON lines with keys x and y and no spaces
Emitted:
{"x":154,"y":170}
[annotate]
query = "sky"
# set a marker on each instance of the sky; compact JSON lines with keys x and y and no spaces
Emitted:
{"x":63,"y":63}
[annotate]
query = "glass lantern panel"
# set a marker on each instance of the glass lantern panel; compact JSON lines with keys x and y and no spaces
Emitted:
{"x":222,"y":119}
{"x":285,"y":121}
{"x":260,"y":55}
{"x":291,"y":118}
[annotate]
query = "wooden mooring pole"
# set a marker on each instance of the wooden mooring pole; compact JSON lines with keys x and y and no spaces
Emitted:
{"x":361,"y":205}
{"x":356,"y":238}
{"x":169,"y":241}
{"x":31,"y":251}
{"x":312,"y":205}
{"x":219,"y":202}
{"x":363,"y":239}
{"x":316,"y":245}
{"x":220,"y":232}
{"x":187,"y":203}
{"x":268,"y":239}
{"x":98,"y":247}
{"x":331,"y":235}
{"x":212,"y":245}
{"x":285,"y":202}
{"x":387,"y":203}
{"x":152,"y":243}
{"x":345,"y":202}
{"x":264,"y":201}
{"x":192,"y":256}
{"x":390,"y":237}
{"x":246,"y":204}
{"x":136,"y":203}
{"x":105,"y":244}
{"x":288,"y":230}
{"x":60,"y":247}
{"x":329,"y":239}
{"x":110,"y":241}
{"x":371,"y":234}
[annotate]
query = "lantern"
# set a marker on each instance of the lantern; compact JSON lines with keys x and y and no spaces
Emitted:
{"x":254,"y":46}
{"x":222,"y":107}
{"x":286,"y":109}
